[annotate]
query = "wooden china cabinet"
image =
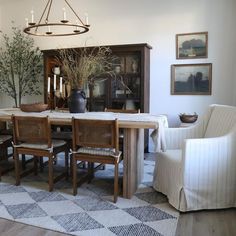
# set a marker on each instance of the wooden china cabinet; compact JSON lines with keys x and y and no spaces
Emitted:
{"x":130,"y":89}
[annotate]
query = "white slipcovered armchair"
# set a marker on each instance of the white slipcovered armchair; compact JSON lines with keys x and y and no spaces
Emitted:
{"x":198,"y":169}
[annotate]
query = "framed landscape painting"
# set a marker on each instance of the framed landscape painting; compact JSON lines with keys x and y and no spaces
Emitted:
{"x":191,"y":79}
{"x":192,"y":45}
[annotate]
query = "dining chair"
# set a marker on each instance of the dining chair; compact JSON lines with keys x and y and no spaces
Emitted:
{"x":5,"y":143}
{"x":32,"y":136}
{"x":95,"y":141}
{"x":6,"y":134}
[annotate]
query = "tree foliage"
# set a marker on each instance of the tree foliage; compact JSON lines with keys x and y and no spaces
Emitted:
{"x":20,"y":66}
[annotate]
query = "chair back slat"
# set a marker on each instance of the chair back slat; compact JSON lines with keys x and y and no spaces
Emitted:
{"x":95,"y":133}
{"x":31,"y":130}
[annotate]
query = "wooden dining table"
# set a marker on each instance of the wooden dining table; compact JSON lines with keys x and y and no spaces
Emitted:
{"x":133,"y":126}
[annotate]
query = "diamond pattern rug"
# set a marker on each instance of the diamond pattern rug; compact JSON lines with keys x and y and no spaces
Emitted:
{"x":92,"y":211}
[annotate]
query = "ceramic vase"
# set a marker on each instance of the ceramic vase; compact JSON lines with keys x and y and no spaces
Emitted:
{"x":77,"y":101}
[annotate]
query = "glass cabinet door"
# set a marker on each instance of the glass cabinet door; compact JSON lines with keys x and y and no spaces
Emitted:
{"x":125,"y":88}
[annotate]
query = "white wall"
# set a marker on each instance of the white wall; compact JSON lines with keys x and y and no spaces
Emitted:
{"x":155,"y":22}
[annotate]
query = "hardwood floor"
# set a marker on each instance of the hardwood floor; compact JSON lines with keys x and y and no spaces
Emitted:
{"x":11,"y":228}
{"x":207,"y":223}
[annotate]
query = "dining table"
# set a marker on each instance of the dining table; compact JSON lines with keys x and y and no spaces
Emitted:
{"x":133,"y":126}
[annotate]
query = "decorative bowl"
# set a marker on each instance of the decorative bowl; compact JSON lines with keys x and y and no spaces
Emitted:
{"x":34,"y":107}
{"x":188,"y":118}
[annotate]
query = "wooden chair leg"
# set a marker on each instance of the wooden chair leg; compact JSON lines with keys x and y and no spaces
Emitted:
{"x":23,"y":161}
{"x":71,"y":167}
{"x":55,"y":160}
{"x":4,"y":152}
{"x":50,"y":173}
{"x":35,"y":165}
{"x":90,"y":171}
{"x":84,"y":165}
{"x":116,"y":182}
{"x":17,"y":167}
{"x":74,"y":174}
{"x":67,"y":164}
{"x":41,"y":164}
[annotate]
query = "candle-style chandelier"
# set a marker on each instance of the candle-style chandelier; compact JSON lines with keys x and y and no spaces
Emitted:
{"x":63,"y":27}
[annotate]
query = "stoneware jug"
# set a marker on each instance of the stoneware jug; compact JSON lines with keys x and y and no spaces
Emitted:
{"x":77,"y":101}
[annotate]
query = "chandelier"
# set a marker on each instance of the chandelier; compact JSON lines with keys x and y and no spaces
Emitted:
{"x":61,"y":28}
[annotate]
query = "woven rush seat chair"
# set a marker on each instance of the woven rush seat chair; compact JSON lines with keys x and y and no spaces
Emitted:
{"x":32,"y":136}
{"x":95,"y":141}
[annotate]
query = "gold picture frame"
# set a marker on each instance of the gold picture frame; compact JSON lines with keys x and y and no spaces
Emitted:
{"x":191,"y":79}
{"x":192,"y":45}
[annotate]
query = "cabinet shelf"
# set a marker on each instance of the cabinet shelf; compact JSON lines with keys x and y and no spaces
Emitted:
{"x":126,"y":99}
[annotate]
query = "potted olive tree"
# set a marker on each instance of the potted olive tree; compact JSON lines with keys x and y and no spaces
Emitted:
{"x":20,"y":66}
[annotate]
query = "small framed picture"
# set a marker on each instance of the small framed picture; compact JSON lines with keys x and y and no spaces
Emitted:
{"x":192,"y":45}
{"x":191,"y":79}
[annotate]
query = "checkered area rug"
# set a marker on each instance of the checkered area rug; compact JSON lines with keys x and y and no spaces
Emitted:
{"x":92,"y":211}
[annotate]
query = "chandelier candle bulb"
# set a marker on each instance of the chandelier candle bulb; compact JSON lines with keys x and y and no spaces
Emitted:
{"x":64,"y":13}
{"x":32,"y":16}
{"x":60,"y":84}
{"x":86,"y":19}
{"x":49,"y":84}
{"x":55,"y":83}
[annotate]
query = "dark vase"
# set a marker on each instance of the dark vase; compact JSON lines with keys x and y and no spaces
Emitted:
{"x":77,"y":101}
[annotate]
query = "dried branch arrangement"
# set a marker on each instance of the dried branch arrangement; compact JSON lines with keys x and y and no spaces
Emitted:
{"x":86,"y":65}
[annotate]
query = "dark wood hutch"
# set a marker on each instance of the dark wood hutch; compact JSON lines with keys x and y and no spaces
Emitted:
{"x":132,"y":70}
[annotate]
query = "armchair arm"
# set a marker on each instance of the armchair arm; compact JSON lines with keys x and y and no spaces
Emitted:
{"x":174,"y":137}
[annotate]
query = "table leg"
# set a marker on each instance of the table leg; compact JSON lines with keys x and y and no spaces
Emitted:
{"x":133,"y":156}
